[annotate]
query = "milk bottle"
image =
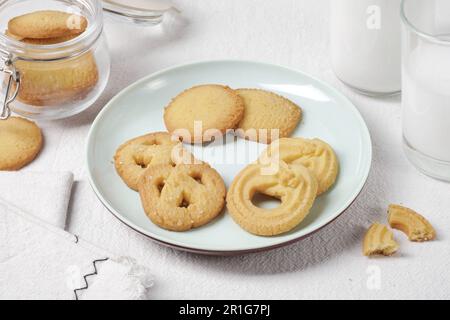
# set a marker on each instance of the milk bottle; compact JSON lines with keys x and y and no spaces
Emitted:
{"x":366,"y":44}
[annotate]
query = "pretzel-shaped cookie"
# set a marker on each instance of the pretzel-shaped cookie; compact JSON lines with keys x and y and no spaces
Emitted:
{"x":136,"y":155}
{"x":183,"y":197}
{"x":294,"y":185}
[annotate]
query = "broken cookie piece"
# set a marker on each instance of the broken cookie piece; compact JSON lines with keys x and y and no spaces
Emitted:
{"x":379,"y":240}
{"x":414,"y":225}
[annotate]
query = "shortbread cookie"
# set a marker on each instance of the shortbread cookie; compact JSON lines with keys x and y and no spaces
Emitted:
{"x":13,"y":36}
{"x":379,"y":240}
{"x":56,"y":82}
{"x":203,"y":113}
{"x":135,"y":156}
{"x":47,"y":24}
{"x":49,"y":41}
{"x":267,"y":116}
{"x":183,"y":197}
{"x":41,"y":41}
{"x":294,"y":185}
{"x":414,"y":225}
{"x":20,"y":143}
{"x":314,"y":154}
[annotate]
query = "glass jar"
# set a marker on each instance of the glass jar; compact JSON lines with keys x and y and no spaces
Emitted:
{"x":54,"y":81}
{"x":365,"y":44}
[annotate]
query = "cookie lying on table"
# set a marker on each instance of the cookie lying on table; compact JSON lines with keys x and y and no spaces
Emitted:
{"x":413,"y":224}
{"x":379,"y":240}
{"x":20,"y":142}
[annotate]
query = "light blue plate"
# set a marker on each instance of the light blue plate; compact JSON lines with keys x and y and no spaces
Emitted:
{"x":138,"y":110}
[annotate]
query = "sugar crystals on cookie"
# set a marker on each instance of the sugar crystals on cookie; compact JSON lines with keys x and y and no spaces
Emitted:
{"x":183,"y":197}
{"x":136,"y":155}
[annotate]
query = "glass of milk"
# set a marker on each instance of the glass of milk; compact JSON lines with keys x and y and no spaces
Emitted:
{"x":366,"y":44}
{"x":426,"y":85}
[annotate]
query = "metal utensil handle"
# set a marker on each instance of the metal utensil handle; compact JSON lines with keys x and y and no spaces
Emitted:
{"x":13,"y":77}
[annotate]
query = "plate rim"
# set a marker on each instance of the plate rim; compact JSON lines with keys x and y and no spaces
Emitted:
{"x":192,"y":249}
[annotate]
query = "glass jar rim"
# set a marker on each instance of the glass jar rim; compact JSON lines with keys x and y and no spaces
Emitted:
{"x":59,"y":51}
{"x":425,"y":35}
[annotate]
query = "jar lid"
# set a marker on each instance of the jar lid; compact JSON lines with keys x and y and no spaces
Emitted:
{"x":139,"y":11}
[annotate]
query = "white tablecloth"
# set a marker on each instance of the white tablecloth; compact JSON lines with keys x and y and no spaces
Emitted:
{"x":293,"y":33}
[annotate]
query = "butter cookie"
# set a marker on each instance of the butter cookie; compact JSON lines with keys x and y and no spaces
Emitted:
{"x":315,"y":154}
{"x":203,"y":113}
{"x":47,"y":24}
{"x":183,"y":197}
{"x":20,"y":142}
{"x":267,"y":116}
{"x":414,"y":225}
{"x":293,"y":184}
{"x":133,"y":157}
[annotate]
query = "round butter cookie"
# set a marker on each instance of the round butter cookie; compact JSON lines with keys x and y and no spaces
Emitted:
{"x":203,"y":113}
{"x":294,"y":185}
{"x":315,"y":154}
{"x":267,"y":116}
{"x":136,"y":155}
{"x":183,"y":197}
{"x":20,"y":142}
{"x":47,"y":24}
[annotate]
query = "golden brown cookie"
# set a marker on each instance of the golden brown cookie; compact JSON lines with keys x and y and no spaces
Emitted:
{"x":379,"y":240}
{"x":414,"y":225}
{"x":41,"y":41}
{"x":214,"y":108}
{"x":20,"y":142}
{"x":294,"y":185}
{"x":13,"y":36}
{"x":136,"y":155}
{"x":314,"y":154}
{"x":56,"y":82}
{"x":47,"y":24}
{"x":183,"y":197}
{"x":267,"y":116}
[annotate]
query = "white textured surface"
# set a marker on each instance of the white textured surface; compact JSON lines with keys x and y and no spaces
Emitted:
{"x":46,"y":194}
{"x":293,"y":33}
{"x":39,"y":260}
{"x":36,"y":255}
